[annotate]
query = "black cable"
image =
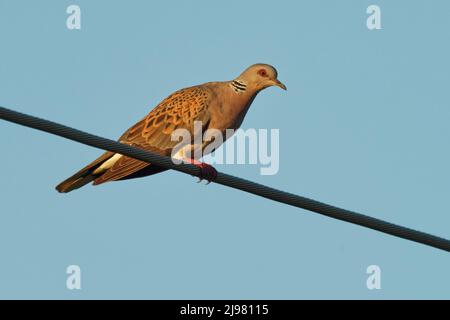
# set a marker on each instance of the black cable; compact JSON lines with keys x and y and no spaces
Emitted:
{"x":227,"y":180}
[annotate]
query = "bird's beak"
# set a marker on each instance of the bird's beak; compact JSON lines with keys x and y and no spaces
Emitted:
{"x":278,"y":83}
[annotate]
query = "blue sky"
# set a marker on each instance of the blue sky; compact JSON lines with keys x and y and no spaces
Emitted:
{"x":363,"y":125}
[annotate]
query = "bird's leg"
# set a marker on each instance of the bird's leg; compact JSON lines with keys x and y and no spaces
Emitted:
{"x":207,"y":171}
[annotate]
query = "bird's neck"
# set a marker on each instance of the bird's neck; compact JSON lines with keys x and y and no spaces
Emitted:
{"x":239,"y":86}
{"x":242,"y":92}
{"x":239,"y":98}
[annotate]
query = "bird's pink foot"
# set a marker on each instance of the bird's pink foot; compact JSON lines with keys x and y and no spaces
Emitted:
{"x":207,"y":172}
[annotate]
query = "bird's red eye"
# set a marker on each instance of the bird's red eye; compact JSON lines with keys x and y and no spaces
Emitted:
{"x":262,"y":72}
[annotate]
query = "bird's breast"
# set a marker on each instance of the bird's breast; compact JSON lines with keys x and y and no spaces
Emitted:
{"x":231,"y":113}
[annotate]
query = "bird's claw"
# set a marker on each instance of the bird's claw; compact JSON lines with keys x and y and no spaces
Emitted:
{"x":207,"y":172}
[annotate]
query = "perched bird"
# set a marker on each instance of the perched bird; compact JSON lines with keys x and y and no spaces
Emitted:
{"x":217,"y":105}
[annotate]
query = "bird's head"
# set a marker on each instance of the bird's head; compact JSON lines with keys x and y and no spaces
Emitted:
{"x":260,"y":76}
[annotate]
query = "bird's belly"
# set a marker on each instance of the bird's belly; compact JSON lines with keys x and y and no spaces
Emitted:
{"x":189,"y":151}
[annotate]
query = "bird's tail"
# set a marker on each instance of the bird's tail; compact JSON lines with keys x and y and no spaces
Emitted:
{"x":84,"y":176}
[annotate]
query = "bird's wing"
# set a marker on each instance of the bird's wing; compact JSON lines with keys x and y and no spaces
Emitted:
{"x":123,"y":167}
{"x":153,"y":133}
{"x":178,"y":111}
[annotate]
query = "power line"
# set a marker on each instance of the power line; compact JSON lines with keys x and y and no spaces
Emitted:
{"x":226,"y":180}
